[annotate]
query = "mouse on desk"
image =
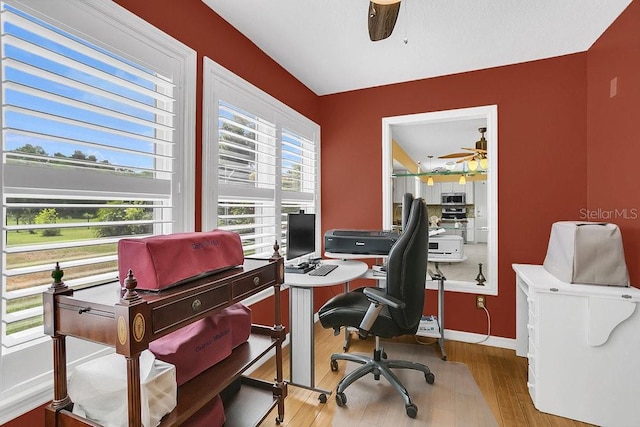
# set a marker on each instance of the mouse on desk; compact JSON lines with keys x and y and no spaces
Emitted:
{"x":302,"y":265}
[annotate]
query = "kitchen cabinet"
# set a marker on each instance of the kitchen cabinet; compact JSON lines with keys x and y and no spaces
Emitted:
{"x":582,"y":346}
{"x":402,"y":185}
{"x":469,"y":190}
{"x":433,"y":193}
{"x":130,"y":320}
{"x":471,"y":230}
{"x":399,"y":186}
{"x":446,"y":187}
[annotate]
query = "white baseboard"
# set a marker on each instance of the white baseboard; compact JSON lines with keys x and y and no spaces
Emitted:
{"x":470,"y":337}
{"x":19,"y":404}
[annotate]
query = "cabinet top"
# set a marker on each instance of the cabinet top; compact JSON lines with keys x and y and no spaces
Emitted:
{"x":109,"y":293}
{"x":538,"y":278}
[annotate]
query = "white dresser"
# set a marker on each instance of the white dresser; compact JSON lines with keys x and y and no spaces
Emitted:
{"x":583,"y":346}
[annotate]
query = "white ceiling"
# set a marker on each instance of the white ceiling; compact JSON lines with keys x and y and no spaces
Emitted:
{"x":325,"y":43}
{"x":435,"y":139}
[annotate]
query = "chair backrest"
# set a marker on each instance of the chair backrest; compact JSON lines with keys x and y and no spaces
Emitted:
{"x":407,"y":201}
{"x":407,"y":267}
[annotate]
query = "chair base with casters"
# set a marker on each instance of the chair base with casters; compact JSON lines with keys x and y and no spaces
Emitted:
{"x":379,"y":365}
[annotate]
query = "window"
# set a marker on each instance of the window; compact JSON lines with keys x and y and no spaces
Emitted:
{"x":260,"y":162}
{"x":97,"y":142}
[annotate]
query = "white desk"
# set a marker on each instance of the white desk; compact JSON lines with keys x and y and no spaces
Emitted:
{"x":302,"y":315}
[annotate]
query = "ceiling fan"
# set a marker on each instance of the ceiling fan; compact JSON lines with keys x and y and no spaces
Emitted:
{"x":477,"y":154}
{"x":382,"y":18}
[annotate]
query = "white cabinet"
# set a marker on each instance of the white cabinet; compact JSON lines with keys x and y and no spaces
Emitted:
{"x":399,"y":188}
{"x":446,"y":187}
{"x":469,"y":186}
{"x":471,"y":230}
{"x":432,"y":194}
{"x":582,"y":345}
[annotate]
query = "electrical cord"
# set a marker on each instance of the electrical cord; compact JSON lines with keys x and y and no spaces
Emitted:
{"x":488,"y":328}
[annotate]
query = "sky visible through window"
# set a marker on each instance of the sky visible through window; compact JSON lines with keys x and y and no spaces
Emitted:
{"x":35,"y":83}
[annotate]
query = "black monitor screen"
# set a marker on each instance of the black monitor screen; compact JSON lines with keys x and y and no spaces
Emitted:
{"x":301,"y":234}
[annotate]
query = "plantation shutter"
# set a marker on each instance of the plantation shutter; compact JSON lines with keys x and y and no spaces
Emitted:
{"x":88,"y":158}
{"x":299,"y":177}
{"x":247,"y":177}
{"x":260,"y":162}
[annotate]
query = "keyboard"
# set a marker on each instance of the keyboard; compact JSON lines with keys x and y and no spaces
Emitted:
{"x":323,"y":270}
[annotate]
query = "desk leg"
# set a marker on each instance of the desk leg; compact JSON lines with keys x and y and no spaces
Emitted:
{"x":301,"y":341}
{"x":441,"y":317}
{"x":347,"y":331}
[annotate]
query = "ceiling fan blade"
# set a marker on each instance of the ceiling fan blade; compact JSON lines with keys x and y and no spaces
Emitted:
{"x":382,"y":19}
{"x":455,"y":155}
{"x":477,"y":150}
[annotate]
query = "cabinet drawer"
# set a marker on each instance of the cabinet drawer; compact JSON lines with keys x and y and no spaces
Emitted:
{"x":248,"y":285}
{"x":184,"y":309}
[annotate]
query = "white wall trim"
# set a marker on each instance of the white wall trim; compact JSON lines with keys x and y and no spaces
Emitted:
{"x":473,"y":338}
{"x":490,"y":114}
{"x":468,"y":337}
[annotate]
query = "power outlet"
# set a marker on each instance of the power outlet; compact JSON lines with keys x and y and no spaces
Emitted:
{"x":480,"y":301}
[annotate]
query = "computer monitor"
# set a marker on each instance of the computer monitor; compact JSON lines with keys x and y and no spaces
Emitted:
{"x":301,"y":234}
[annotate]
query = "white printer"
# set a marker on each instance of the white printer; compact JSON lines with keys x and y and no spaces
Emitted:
{"x":446,"y":246}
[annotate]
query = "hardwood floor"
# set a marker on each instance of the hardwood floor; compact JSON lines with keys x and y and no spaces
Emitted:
{"x":500,"y":374}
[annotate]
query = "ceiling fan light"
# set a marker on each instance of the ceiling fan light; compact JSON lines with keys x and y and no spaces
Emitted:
{"x":484,"y":163}
{"x":473,"y":165}
{"x":462,"y":180}
{"x":430,"y":181}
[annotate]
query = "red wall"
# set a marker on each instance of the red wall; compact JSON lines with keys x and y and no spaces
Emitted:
{"x":542,"y":162}
{"x":557,"y":146}
{"x":613,"y":131}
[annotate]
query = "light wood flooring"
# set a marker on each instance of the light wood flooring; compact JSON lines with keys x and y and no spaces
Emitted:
{"x":499,"y":373}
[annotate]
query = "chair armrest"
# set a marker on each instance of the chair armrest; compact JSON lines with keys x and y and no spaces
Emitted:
{"x":377,"y":296}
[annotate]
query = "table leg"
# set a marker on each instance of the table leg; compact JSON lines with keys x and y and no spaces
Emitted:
{"x":347,"y":330}
{"x":301,"y":340}
{"x":441,"y":317}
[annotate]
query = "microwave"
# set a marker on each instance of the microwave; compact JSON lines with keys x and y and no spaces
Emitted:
{"x":454,"y":198}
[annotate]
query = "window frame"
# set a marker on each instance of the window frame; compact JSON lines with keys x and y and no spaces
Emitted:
{"x":113,"y":28}
{"x":222,"y":84}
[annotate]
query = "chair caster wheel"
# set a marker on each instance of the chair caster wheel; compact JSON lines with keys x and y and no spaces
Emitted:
{"x":334,"y":365}
{"x":412,"y":410}
{"x":322,"y":398}
{"x":430,"y":378}
{"x":341,"y":399}
{"x":278,"y":420}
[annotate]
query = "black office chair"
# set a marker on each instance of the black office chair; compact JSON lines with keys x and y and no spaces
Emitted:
{"x":386,"y":313}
